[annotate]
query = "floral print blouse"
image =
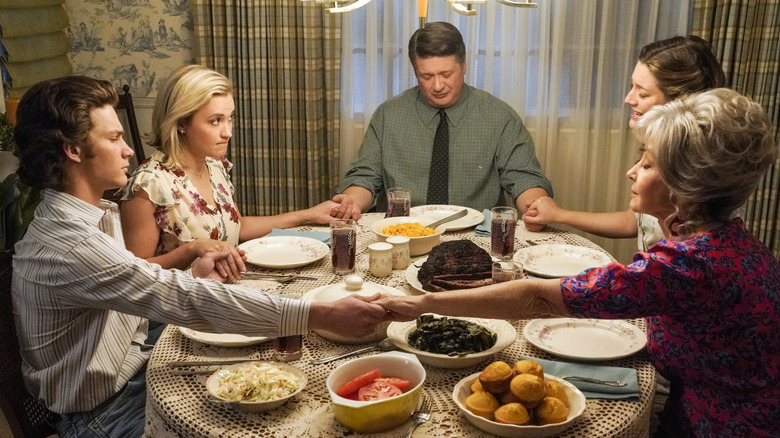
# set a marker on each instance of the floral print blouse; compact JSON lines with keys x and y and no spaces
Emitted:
{"x":182,"y":214}
{"x":713,"y":325}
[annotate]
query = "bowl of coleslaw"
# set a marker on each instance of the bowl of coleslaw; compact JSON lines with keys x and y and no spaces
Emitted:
{"x":256,"y":386}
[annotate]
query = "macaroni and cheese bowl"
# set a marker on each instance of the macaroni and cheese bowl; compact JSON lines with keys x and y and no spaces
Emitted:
{"x":418,"y":245}
{"x":378,"y":415}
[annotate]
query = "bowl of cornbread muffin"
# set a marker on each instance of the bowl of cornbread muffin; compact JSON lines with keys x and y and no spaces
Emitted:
{"x":518,"y":400}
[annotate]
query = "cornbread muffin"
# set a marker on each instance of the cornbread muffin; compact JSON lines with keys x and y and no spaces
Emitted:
{"x":508,"y":397}
{"x":482,"y":403}
{"x":551,"y":410}
{"x":555,"y":389}
{"x":496,"y":377}
{"x":476,"y":386}
{"x":529,"y":367}
{"x":529,"y":389}
{"x":512,"y":413}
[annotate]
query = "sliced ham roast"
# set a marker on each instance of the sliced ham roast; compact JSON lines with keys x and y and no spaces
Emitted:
{"x":456,"y":264}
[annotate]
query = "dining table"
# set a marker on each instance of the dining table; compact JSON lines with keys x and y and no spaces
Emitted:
{"x":178,"y":404}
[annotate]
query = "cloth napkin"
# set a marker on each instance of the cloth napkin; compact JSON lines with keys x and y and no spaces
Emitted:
{"x":483,"y":229}
{"x":322,"y":236}
{"x":594,"y":390}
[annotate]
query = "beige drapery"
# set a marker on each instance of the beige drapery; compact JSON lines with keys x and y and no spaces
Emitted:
{"x":746,"y":37}
{"x":283,"y":58}
{"x":33,"y":35}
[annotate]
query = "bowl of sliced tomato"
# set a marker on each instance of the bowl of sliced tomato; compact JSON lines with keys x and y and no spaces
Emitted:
{"x":376,"y":393}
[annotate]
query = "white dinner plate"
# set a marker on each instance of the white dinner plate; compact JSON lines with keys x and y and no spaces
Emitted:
{"x":411,"y":274}
{"x":436,"y":212}
{"x":221,"y":339}
{"x":559,"y":260}
{"x":283,"y":252}
{"x":585,"y":339}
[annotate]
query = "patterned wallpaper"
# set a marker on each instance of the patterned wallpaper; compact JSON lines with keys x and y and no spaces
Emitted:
{"x":135,"y":42}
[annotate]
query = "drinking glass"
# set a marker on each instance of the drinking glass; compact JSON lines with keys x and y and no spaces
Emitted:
{"x":343,"y":245}
{"x":399,"y":202}
{"x":507,"y":271}
{"x":502,"y":232}
{"x":287,"y":348}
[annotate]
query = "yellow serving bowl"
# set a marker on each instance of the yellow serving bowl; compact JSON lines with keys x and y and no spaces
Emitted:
{"x":417,"y":245}
{"x":380,"y":415}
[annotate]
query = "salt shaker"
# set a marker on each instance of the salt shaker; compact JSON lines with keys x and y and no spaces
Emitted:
{"x":401,"y":258}
{"x":380,"y":259}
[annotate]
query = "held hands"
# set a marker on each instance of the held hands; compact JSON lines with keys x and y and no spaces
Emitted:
{"x":345,"y":207}
{"x":323,"y":213}
{"x":540,"y":213}
{"x":224,"y":263}
{"x":352,"y":316}
{"x":401,"y":308}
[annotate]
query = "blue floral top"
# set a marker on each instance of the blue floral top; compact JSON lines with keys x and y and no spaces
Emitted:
{"x":713,"y":323}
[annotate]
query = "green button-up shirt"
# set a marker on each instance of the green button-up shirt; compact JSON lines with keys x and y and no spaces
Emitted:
{"x":490,"y":150}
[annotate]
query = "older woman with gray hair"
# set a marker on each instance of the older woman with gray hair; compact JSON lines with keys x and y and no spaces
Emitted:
{"x":710,"y":290}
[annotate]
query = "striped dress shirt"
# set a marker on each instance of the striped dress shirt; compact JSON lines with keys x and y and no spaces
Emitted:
{"x":81,"y":303}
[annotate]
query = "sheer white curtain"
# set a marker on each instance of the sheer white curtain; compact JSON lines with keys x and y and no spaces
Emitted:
{"x":564,"y":67}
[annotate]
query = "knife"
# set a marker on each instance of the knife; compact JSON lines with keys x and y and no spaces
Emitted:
{"x":206,"y":363}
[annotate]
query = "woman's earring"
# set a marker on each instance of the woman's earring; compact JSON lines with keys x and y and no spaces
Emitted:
{"x":181,"y":131}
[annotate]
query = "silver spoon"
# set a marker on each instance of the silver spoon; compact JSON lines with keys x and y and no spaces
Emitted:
{"x":449,"y":218}
{"x":384,"y":345}
{"x":615,"y":383}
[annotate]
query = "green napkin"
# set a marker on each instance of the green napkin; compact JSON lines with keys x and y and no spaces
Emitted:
{"x":483,"y":229}
{"x":322,"y":236}
{"x":594,"y":390}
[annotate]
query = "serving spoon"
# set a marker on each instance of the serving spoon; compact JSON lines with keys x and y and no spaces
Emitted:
{"x":384,"y":345}
{"x":449,"y":218}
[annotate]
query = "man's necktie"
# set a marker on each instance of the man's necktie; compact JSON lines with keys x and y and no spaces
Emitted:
{"x":440,"y":163}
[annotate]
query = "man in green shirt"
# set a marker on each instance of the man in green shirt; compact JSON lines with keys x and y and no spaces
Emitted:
{"x":489,"y":148}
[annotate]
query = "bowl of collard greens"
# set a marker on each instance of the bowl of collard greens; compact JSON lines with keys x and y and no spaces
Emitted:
{"x":452,"y":342}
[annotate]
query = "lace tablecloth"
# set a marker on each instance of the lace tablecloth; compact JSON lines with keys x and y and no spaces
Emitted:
{"x":179,"y":406}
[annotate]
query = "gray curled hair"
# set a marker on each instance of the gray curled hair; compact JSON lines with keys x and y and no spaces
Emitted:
{"x":711,"y":149}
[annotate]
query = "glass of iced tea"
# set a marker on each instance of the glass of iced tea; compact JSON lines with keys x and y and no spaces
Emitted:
{"x":343,"y":245}
{"x":502,"y":232}
{"x":399,"y":202}
{"x":287,"y":348}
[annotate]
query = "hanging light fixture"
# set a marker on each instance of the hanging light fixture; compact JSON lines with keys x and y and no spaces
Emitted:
{"x":465,"y":7}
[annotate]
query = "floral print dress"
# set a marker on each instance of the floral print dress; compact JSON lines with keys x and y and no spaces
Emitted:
{"x":182,"y":214}
{"x":713,"y":326}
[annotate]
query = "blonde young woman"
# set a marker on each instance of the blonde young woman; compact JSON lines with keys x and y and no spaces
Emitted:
{"x":666,"y":70}
{"x":178,"y":205}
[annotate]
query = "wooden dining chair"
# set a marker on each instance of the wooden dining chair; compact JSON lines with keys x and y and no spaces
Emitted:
{"x":26,"y":416}
{"x":126,"y":111}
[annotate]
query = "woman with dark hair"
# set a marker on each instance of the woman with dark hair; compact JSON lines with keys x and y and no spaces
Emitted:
{"x":666,"y":70}
{"x":710,"y":291}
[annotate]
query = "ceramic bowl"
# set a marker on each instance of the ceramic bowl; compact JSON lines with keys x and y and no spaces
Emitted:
{"x":212,"y":386}
{"x":417,"y":245}
{"x":398,"y":333}
{"x":380,"y":415}
{"x":576,"y":408}
{"x":353,"y":284}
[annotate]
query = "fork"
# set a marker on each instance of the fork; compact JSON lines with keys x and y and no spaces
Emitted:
{"x":615,"y":383}
{"x":421,"y":415}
